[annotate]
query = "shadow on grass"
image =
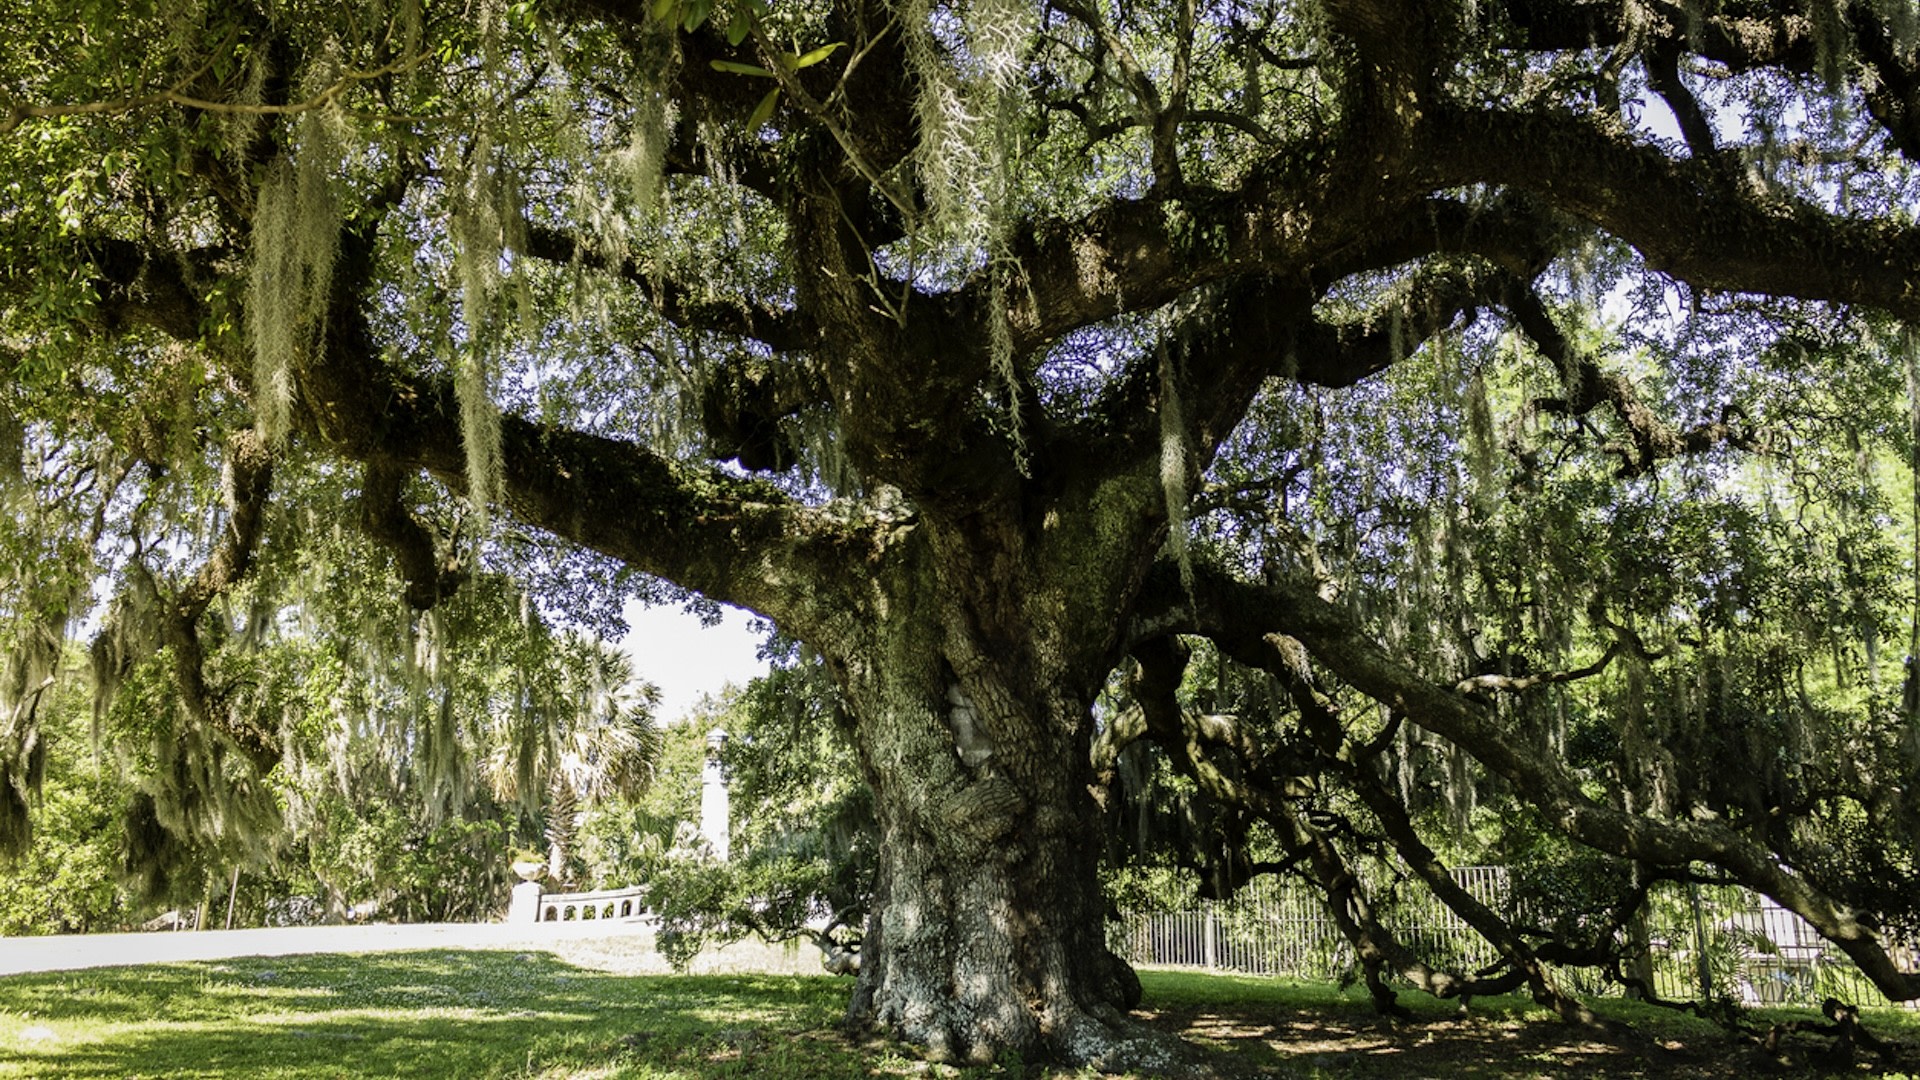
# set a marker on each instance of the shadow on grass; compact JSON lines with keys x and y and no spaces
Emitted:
{"x":1317,"y":1030}
{"x":528,"y":1014}
{"x":429,"y":1014}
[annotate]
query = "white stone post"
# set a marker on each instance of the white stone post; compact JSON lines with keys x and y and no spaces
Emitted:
{"x":525,"y":906}
{"x":713,"y":797}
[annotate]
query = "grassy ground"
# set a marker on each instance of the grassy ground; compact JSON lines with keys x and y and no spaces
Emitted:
{"x":508,"y":1014}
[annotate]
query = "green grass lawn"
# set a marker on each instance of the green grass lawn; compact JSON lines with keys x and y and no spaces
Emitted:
{"x":427,"y":1014}
{"x":506,"y":1014}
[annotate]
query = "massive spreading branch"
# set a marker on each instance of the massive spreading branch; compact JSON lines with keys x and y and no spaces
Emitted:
{"x":924,"y":328}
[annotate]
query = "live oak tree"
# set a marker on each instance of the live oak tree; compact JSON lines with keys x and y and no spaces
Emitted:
{"x":981,"y":346}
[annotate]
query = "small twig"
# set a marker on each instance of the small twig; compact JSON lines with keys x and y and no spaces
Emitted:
{"x":175,"y":95}
{"x":1511,"y":684}
{"x":840,"y":87}
{"x":789,"y":81}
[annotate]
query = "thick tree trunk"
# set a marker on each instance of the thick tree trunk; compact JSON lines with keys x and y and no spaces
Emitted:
{"x":981,"y":943}
{"x":987,"y":933}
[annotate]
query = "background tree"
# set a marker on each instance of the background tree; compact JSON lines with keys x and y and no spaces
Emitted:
{"x":802,"y":848}
{"x":596,"y":739}
{"x":404,"y":746}
{"x":984,"y":302}
{"x":68,"y":881}
{"x":623,"y":840}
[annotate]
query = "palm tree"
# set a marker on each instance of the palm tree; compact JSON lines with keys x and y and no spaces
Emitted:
{"x":585,"y":735}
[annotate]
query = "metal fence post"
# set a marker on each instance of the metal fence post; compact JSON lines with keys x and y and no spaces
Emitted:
{"x":1212,"y":932}
{"x":1701,"y":967}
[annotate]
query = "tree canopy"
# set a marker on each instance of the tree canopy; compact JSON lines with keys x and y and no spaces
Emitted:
{"x":1376,"y":408}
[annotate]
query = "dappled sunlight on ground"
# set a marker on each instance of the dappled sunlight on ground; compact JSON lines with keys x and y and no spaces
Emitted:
{"x":533,"y":1015}
{"x":1315,"y":1033}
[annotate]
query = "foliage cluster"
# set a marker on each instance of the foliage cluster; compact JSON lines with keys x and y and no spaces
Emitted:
{"x":405,"y":777}
{"x":804,"y":838}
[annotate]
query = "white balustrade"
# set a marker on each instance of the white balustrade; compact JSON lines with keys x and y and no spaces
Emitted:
{"x":579,"y":906}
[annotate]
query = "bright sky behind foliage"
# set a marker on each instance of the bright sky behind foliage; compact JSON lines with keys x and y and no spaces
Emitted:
{"x":686,"y":660}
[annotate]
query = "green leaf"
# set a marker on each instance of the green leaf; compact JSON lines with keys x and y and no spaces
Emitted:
{"x":741,"y":25}
{"x":733,"y":68}
{"x":696,"y":13}
{"x":663,"y":9}
{"x":763,"y":111}
{"x":816,"y":55}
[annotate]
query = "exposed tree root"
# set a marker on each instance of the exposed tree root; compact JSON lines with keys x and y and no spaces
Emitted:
{"x":1844,"y":1027}
{"x":1102,"y":1039}
{"x":1118,"y":1044}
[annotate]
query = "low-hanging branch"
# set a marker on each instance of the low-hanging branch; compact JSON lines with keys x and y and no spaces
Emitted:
{"x":1240,"y":614}
{"x":1246,"y":779}
{"x":1356,"y":767}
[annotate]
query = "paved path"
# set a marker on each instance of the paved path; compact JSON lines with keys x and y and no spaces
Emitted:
{"x":109,"y":950}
